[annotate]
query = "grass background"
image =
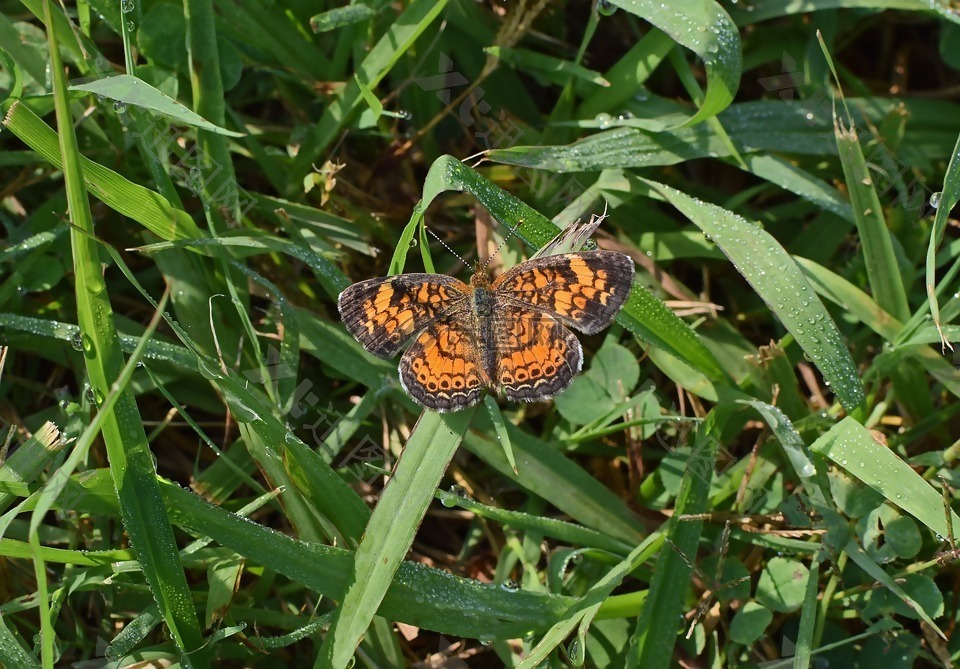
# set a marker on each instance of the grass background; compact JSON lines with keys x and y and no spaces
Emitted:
{"x":756,"y":465}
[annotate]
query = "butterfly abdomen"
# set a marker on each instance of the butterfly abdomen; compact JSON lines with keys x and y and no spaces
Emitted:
{"x":483,"y":323}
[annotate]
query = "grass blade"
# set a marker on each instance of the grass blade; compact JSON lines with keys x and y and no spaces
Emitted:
{"x":142,"y":509}
{"x":391,"y":529}
{"x":778,"y":281}
{"x":705,"y":28}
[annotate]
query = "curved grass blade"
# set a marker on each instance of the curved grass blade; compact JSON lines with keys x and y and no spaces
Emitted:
{"x":780,"y":283}
{"x":705,"y":28}
{"x":134,"y":91}
{"x":644,"y":315}
{"x":948,"y":199}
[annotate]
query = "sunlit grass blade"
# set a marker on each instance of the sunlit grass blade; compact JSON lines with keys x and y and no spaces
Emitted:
{"x":130,"y":90}
{"x":391,"y":529}
{"x":131,"y":464}
{"x":851,"y":446}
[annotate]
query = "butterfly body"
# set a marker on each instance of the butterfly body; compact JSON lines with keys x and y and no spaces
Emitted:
{"x":509,"y":334}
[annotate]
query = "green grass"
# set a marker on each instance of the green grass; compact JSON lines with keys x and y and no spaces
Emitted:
{"x":200,"y":466}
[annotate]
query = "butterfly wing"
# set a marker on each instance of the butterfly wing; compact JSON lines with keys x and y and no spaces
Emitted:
{"x":537,"y":357}
{"x":384,"y":314}
{"x":571,"y":239}
{"x":440,"y":370}
{"x":584,"y":290}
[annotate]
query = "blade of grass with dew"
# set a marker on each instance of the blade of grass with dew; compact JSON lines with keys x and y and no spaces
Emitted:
{"x":500,"y":429}
{"x":134,"y":91}
{"x":842,"y":292}
{"x":656,"y":631}
{"x":949,"y":196}
{"x":131,"y":463}
{"x":775,"y":8}
{"x":392,"y":527}
{"x":883,"y":271}
{"x":565,"y":531}
{"x":644,"y":315}
{"x":146,"y":207}
{"x":446,"y":603}
{"x":776,"y":278}
{"x":704,"y":27}
{"x":12,"y":651}
{"x":788,"y":176}
{"x":762,"y":126}
{"x":66,"y":332}
{"x":399,"y":37}
{"x":339,"y":17}
{"x":582,"y":613}
{"x":851,"y":446}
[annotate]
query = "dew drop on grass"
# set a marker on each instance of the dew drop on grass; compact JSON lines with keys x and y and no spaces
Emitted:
{"x":935,"y":200}
{"x":128,"y":6}
{"x":120,"y":107}
{"x":605,"y":8}
{"x":509,"y":585}
{"x":76,"y":340}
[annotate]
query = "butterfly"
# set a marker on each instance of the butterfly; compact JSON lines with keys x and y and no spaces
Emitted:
{"x":510,"y":334}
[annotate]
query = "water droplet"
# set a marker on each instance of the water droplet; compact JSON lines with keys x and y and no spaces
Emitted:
{"x":575,"y":653}
{"x":120,"y":107}
{"x":131,"y":26}
{"x":76,"y":340}
{"x":605,"y":8}
{"x":935,"y":200}
{"x":509,"y":585}
{"x":459,"y":491}
{"x":604,"y":120}
{"x":128,"y":6}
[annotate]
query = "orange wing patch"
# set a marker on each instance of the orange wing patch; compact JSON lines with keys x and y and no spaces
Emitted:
{"x":383,"y":314}
{"x":537,"y":357}
{"x":440,"y":369}
{"x":584,"y":290}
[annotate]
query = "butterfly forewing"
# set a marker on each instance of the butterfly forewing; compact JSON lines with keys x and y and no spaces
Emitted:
{"x":584,"y":290}
{"x":384,"y":314}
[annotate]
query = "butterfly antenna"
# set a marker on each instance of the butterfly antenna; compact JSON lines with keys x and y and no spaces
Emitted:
{"x":444,"y":244}
{"x":513,"y":231}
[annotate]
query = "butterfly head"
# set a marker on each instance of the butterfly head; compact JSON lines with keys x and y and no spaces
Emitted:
{"x":481,"y":276}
